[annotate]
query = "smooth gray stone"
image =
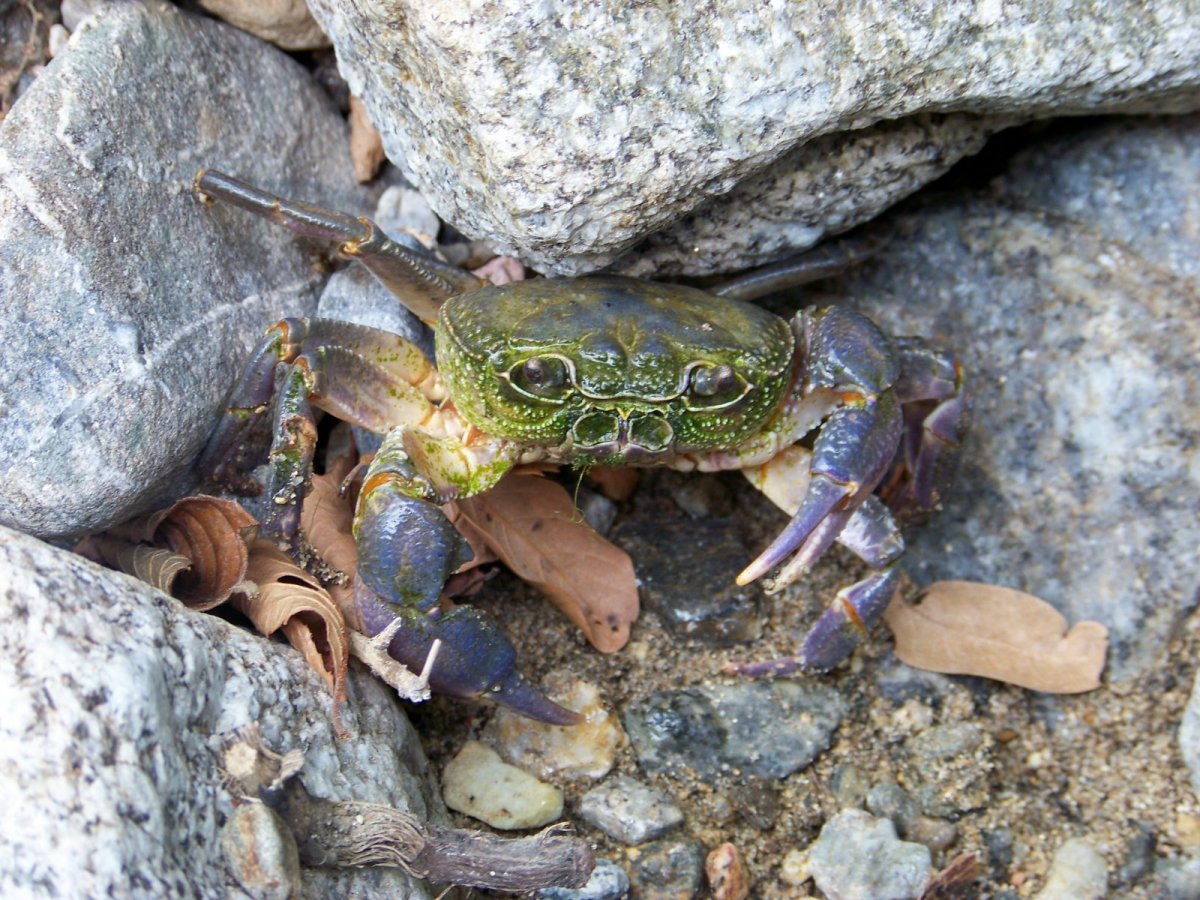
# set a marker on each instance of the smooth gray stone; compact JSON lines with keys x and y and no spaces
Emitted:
{"x":127,"y":308}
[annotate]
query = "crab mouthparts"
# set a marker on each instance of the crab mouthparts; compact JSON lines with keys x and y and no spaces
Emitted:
{"x":631,"y":438}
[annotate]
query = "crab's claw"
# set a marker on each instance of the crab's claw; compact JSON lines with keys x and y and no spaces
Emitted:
{"x":475,"y":659}
{"x":404,"y":557}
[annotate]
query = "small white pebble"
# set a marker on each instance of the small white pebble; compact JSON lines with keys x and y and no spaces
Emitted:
{"x":478,"y":783}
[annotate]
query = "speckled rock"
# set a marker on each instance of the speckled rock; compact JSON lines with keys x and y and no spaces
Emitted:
{"x":890,"y":801}
{"x":668,"y":870}
{"x":608,"y":881}
{"x":126,"y":306}
{"x":1077,"y":872}
{"x":859,"y":857}
{"x":947,"y":767}
{"x":726,"y":873}
{"x":587,"y":750}
{"x":629,"y":811}
{"x":1189,"y":736}
{"x":768,"y":729}
{"x":1180,"y":877}
{"x":1068,"y":290}
{"x":480,"y":784}
{"x":127,"y":697}
{"x":806,"y":195}
{"x":564,"y":134}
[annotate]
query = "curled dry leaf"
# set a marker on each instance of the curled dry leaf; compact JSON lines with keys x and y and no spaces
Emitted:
{"x":481,"y":549}
{"x":208,"y":532}
{"x":156,"y":566}
{"x":533,"y":526}
{"x":964,"y":628}
{"x":292,"y":600}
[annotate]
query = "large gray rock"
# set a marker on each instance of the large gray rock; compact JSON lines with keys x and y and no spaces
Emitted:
{"x":1069,"y":290}
{"x":116,"y":703}
{"x":126,"y":307}
{"x":566,"y":133}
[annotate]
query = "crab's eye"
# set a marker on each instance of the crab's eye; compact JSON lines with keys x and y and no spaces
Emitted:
{"x":540,"y":377}
{"x":713,"y":387}
{"x":708,"y":381}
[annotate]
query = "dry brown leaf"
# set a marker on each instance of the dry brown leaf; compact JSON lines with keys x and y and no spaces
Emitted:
{"x":481,"y":549}
{"x":156,"y":566}
{"x":209,"y":532}
{"x":964,"y":628}
{"x":366,"y":146}
{"x":533,"y":526}
{"x":293,"y":600}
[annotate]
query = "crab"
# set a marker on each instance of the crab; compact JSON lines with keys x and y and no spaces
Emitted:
{"x":601,"y":370}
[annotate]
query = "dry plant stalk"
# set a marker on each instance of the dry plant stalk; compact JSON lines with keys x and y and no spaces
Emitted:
{"x":370,"y":834}
{"x":352,"y":833}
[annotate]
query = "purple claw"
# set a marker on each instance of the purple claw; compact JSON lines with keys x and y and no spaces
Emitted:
{"x":822,"y":498}
{"x":849,"y":458}
{"x":403,"y":563}
{"x":475,"y":660}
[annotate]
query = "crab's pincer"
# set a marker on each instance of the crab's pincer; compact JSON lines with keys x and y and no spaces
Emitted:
{"x":404,"y":558}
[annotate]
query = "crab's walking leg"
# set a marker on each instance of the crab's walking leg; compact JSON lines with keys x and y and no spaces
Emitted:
{"x":368,"y":377}
{"x":870,"y":533}
{"x":822,"y":261}
{"x":930,"y":386}
{"x":418,"y":279}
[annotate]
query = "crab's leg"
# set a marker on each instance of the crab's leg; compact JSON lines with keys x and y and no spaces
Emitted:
{"x":849,"y":458}
{"x":822,"y":261}
{"x":368,"y":377}
{"x":871,"y":533}
{"x":420,"y":281}
{"x":930,"y":386}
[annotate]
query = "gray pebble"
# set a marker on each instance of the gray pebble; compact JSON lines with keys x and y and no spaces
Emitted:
{"x":858,"y":857}
{"x":849,"y":786}
{"x":1179,"y":877}
{"x":607,"y":882}
{"x":936,"y":834}
{"x":767,"y":729}
{"x":1077,"y":872}
{"x":669,"y":870}
{"x":947,"y":768}
{"x":629,"y":811}
{"x":890,"y":801}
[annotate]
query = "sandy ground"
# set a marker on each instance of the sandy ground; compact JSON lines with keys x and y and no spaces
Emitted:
{"x":1103,"y":765}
